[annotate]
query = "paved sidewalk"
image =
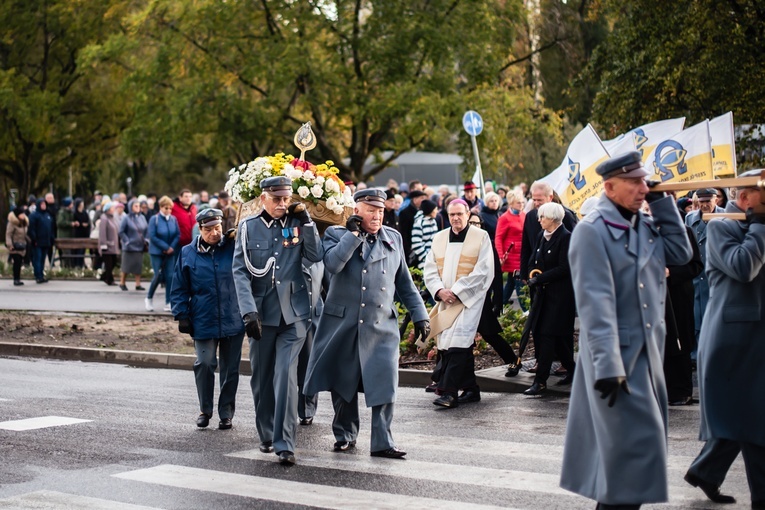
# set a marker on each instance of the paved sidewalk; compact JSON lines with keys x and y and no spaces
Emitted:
{"x":95,"y":296}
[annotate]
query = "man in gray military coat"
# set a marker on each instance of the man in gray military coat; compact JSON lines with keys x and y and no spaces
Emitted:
{"x":616,"y":450}
{"x":275,"y":304}
{"x":356,"y":344}
{"x":731,"y":350}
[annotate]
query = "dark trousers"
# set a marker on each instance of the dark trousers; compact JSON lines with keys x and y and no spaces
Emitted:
{"x":455,"y":371}
{"x":16,"y":260}
{"x":679,"y":376}
{"x":714,"y":460}
{"x":306,"y":403}
{"x":490,"y":329}
{"x":38,"y":262}
{"x":204,"y":372}
{"x":546,"y":348}
{"x":345,"y":425}
{"x":109,"y":261}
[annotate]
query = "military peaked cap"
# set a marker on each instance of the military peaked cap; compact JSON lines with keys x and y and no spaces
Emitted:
{"x":210,"y":217}
{"x":371,"y":196}
{"x":626,"y":166}
{"x":279,"y":186}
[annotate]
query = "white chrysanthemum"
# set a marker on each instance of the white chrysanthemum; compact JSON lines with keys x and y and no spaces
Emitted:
{"x":303,"y":191}
{"x":308,"y":175}
{"x":317,"y":191}
{"x":319,"y":179}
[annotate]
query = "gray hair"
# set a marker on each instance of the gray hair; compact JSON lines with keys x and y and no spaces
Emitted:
{"x":543,"y":187}
{"x":551,"y":211}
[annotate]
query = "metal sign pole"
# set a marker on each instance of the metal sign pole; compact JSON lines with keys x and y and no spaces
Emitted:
{"x":478,"y":169}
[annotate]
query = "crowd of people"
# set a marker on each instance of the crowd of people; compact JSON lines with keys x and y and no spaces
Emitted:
{"x":320,"y":311}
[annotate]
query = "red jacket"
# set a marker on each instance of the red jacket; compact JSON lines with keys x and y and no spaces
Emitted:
{"x":186,"y":220}
{"x":508,"y":240}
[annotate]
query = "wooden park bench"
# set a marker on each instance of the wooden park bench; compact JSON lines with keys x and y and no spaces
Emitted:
{"x":65,"y":247}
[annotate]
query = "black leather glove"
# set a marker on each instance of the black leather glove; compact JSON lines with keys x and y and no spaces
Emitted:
{"x":184,"y":326}
{"x":230,"y":233}
{"x":299,"y":212}
{"x":754,"y":217}
{"x":609,"y":387}
{"x":353,"y":223}
{"x":653,"y":196}
{"x":253,"y":326}
{"x":421,"y":330}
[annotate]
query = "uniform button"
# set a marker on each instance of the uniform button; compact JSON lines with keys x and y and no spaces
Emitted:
{"x":278,"y":282}
{"x":275,"y":239}
{"x":276,"y":253}
{"x":363,"y":288}
{"x":277,"y":267}
{"x":381,"y":306}
{"x":309,"y":292}
{"x":641,"y":285}
{"x":309,"y":279}
{"x":626,"y":246}
{"x":383,"y":288}
{"x":645,"y":305}
{"x":361,"y":321}
{"x":383,"y":271}
{"x":650,"y":240}
{"x":648,"y":325}
{"x":363,"y":305}
{"x":309,"y":320}
{"x":363,"y":270}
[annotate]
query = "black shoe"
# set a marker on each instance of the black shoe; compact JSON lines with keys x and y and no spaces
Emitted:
{"x":140,"y":288}
{"x":565,"y":381}
{"x":286,"y":458}
{"x":431,"y":388}
{"x":514,"y":368}
{"x":41,"y":280}
{"x":390,"y":453}
{"x":344,"y":446}
{"x":535,"y":389}
{"x":448,"y":401}
{"x":682,"y":402}
{"x":18,"y":282}
{"x":267,"y":447}
{"x":711,"y":490}
{"x":306,"y":421}
{"x":225,"y":424}
{"x":469,"y":396}
{"x":123,"y":287}
{"x":203,"y":420}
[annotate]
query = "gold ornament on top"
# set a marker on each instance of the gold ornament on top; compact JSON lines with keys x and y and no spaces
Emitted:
{"x":305,"y":140}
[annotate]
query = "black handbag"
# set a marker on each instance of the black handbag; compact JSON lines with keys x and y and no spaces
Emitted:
{"x":19,"y":246}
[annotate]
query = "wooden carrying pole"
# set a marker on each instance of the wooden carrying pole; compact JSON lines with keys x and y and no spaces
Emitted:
{"x":731,"y":182}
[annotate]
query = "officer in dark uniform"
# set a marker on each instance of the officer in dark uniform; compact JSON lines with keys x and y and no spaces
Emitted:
{"x":390,"y":218}
{"x":275,"y":303}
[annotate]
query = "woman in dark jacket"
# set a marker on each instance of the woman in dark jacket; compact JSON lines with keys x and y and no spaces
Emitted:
{"x":205,"y":305}
{"x":133,"y":229}
{"x":16,"y":240}
{"x":164,"y":239}
{"x":82,"y":230}
{"x":490,"y":214}
{"x":554,"y":309}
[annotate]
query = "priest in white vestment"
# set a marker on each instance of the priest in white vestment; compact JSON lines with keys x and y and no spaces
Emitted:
{"x":458,"y":273}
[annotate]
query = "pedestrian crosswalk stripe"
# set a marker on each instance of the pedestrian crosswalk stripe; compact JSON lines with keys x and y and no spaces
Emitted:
{"x":39,"y":423}
{"x":44,"y":500}
{"x":437,"y":472}
{"x":285,"y":491}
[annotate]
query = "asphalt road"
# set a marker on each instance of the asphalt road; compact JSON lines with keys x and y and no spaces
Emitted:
{"x":133,"y":444}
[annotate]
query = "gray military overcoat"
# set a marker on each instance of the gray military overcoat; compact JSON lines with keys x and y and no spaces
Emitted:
{"x":700,"y":282}
{"x":357,"y":337}
{"x":732,"y":342}
{"x":281,"y":291}
{"x":618,"y":455}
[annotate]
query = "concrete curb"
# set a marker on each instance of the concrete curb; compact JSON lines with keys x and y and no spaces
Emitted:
{"x":490,"y":379}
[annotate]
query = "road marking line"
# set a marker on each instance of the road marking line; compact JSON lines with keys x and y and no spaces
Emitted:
{"x":284,"y":491}
{"x":416,"y":469}
{"x":39,"y":423}
{"x":43,"y":500}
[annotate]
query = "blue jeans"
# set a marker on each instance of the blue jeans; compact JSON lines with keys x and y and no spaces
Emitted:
{"x":513,"y":283}
{"x":164,"y":264}
{"x":38,"y":261}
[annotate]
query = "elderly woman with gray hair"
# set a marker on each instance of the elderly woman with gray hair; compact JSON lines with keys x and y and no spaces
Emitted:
{"x":554,"y":309}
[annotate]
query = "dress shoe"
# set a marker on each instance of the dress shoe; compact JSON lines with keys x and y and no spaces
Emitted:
{"x":306,"y":421}
{"x":18,"y":282}
{"x":431,"y":388}
{"x":343,"y":446}
{"x":286,"y":458}
{"x":123,"y":287}
{"x":535,"y":389}
{"x":138,"y":287}
{"x":469,"y":396}
{"x":267,"y":447}
{"x":565,"y":381}
{"x":390,"y":453}
{"x":561,"y":372}
{"x":203,"y":420}
{"x":448,"y":401}
{"x":711,"y":490}
{"x":682,"y":402}
{"x":225,"y":424}
{"x":41,"y":280}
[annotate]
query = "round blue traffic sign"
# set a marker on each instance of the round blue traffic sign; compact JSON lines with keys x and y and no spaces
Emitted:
{"x":472,"y":122}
